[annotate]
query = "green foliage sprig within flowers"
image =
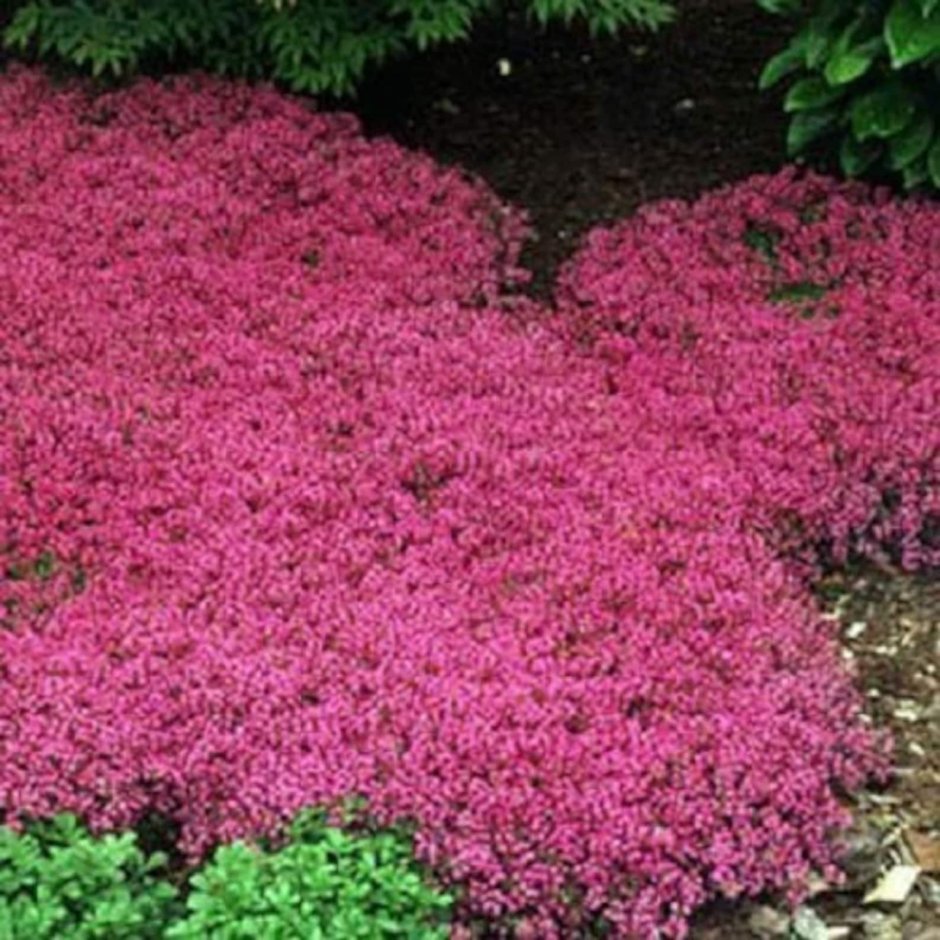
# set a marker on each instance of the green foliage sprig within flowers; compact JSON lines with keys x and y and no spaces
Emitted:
{"x":867,"y":81}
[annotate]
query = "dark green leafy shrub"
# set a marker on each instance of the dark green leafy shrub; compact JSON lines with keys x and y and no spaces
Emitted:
{"x":324,"y":883}
{"x":310,"y":45}
{"x":57,"y":881}
{"x":865,"y":81}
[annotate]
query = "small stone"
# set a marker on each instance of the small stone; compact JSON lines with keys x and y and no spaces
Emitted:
{"x":927,"y":933}
{"x":808,"y":925}
{"x":684,"y":105}
{"x":908,"y":711}
{"x":926,"y":849}
{"x":766,"y":921}
{"x":841,"y":932}
{"x":894,"y":886}
{"x":861,"y":852}
{"x":881,"y":927}
{"x":816,"y":885}
{"x":855,"y":629}
{"x":884,"y":799}
{"x":932,"y":711}
{"x":930,"y":889}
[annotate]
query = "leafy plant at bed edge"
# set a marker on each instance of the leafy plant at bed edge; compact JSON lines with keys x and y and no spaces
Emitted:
{"x":865,"y":83}
{"x":58,"y":880}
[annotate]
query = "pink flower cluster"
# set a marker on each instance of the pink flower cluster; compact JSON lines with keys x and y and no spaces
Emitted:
{"x":791,"y":327}
{"x":323,"y":512}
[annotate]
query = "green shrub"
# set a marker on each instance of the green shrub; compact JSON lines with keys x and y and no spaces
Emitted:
{"x":310,"y":45}
{"x":867,"y":82}
{"x":56,"y":881}
{"x":324,"y":883}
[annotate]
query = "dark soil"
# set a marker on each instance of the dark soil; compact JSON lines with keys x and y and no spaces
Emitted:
{"x":581,"y":133}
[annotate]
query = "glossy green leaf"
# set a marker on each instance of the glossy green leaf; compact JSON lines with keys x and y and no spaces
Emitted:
{"x":808,"y":126}
{"x":933,"y":162}
{"x":783,"y":64}
{"x":856,"y":157}
{"x":914,"y":174}
{"x":911,"y":35}
{"x":849,"y":61}
{"x":913,"y":141}
{"x":811,"y":92}
{"x":882,"y":112}
{"x":780,"y":7}
{"x":823,"y":31}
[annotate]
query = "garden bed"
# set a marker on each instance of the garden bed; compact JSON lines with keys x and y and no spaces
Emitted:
{"x":582,"y":133}
{"x":304,"y":499}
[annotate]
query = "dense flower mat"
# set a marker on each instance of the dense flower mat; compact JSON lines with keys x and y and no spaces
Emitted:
{"x":794,"y":327}
{"x":297,"y":505}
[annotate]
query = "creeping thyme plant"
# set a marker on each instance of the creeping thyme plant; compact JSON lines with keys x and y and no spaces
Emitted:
{"x":355,"y":517}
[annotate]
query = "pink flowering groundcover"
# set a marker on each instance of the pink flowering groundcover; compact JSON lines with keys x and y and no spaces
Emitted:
{"x":300,"y":500}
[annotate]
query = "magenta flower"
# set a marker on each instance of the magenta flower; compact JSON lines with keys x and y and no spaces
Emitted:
{"x":298,"y":503}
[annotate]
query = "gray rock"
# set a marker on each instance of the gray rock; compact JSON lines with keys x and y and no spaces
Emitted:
{"x":930,"y":889}
{"x":879,"y":926}
{"x":861,"y":852}
{"x":808,"y":925}
{"x":766,"y":921}
{"x":927,"y":933}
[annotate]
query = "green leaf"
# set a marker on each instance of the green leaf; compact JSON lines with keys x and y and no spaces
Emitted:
{"x":915,"y":173}
{"x":856,"y":157}
{"x":821,"y":32}
{"x":808,"y":126}
{"x":781,"y":7}
{"x":45,"y":565}
{"x":933,"y":162}
{"x":23,"y":26}
{"x":849,"y":62}
{"x":882,"y":112}
{"x":912,"y":142}
{"x":782,"y":64}
{"x":809,"y":93}
{"x":911,"y":35}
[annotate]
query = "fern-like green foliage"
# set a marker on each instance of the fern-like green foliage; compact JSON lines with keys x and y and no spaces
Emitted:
{"x":865,"y":81}
{"x":309,"y":45}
